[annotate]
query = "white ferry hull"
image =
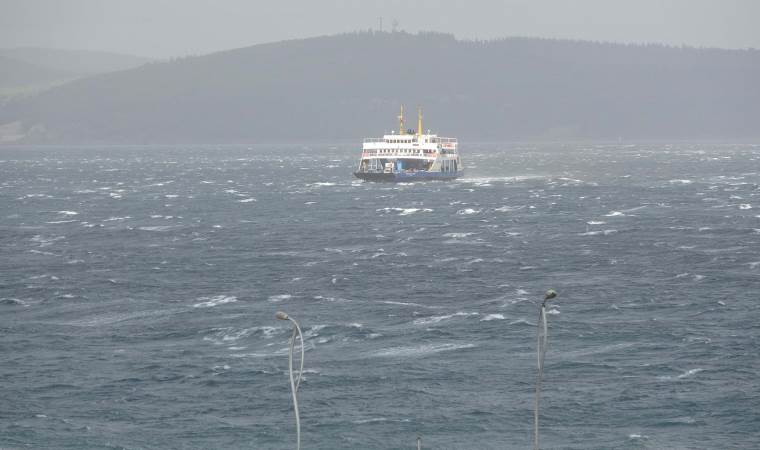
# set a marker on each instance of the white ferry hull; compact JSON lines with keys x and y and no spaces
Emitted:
{"x":409,"y":156}
{"x":408,"y":176}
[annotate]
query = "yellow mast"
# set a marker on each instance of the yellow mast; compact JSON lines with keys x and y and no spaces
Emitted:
{"x":401,"y":121}
{"x":419,"y":121}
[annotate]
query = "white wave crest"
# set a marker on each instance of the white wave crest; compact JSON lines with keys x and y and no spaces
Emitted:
{"x":490,"y":317}
{"x":404,"y":211}
{"x":421,"y":350}
{"x":687,"y":374}
{"x":597,"y":233}
{"x":457,"y":235}
{"x":156,"y":228}
{"x":436,"y":319}
{"x":208,"y":302}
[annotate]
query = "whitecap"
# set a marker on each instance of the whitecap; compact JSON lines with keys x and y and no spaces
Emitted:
{"x":214,"y":301}
{"x":614,"y":214}
{"x":421,"y":349}
{"x":745,"y":206}
{"x":247,"y":200}
{"x":362,"y":421}
{"x":156,"y":228}
{"x":408,"y":211}
{"x":227,"y":335}
{"x":390,"y":302}
{"x":468,"y":211}
{"x":457,"y":235}
{"x":687,"y":374}
{"x":508,"y":208}
{"x":597,"y":233}
{"x":596,"y":222}
{"x":490,"y":317}
{"x":68,"y":213}
{"x":279,"y":298}
{"x":522,"y":322}
{"x":478,"y":180}
{"x":12,"y":301}
{"x":436,"y":319}
{"x":680,"y":181}
{"x":404,"y":211}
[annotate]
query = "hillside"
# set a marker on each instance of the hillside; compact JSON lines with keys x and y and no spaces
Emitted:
{"x":31,"y":70}
{"x":17,"y":74}
{"x":78,"y":62}
{"x":349,"y":86}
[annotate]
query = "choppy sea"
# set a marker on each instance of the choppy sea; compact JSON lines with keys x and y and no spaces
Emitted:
{"x":138,"y":288}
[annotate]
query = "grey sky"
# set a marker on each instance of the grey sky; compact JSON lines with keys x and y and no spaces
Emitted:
{"x":165,"y":28}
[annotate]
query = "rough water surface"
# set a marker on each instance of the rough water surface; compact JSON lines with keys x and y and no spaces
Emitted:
{"x":138,"y":287}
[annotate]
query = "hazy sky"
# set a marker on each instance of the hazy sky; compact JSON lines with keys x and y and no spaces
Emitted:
{"x":164,"y":28}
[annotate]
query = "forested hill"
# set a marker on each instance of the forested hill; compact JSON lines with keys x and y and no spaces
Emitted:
{"x":351,"y":85}
{"x":31,"y":70}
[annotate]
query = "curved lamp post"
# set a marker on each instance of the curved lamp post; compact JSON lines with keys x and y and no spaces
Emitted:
{"x":542,"y":337}
{"x":294,"y":383}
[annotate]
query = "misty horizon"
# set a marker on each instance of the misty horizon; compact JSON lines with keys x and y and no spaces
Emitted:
{"x":163,"y":30}
{"x":371,"y":30}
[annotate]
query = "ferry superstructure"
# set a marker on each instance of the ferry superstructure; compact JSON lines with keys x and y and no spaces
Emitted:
{"x":410,"y":156}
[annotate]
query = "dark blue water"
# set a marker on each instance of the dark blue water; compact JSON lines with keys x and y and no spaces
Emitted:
{"x":138,"y":288}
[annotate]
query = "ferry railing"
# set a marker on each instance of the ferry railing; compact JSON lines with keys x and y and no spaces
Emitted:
{"x":442,"y":140}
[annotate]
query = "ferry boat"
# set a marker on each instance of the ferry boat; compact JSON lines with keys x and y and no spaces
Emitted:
{"x":409,"y":156}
